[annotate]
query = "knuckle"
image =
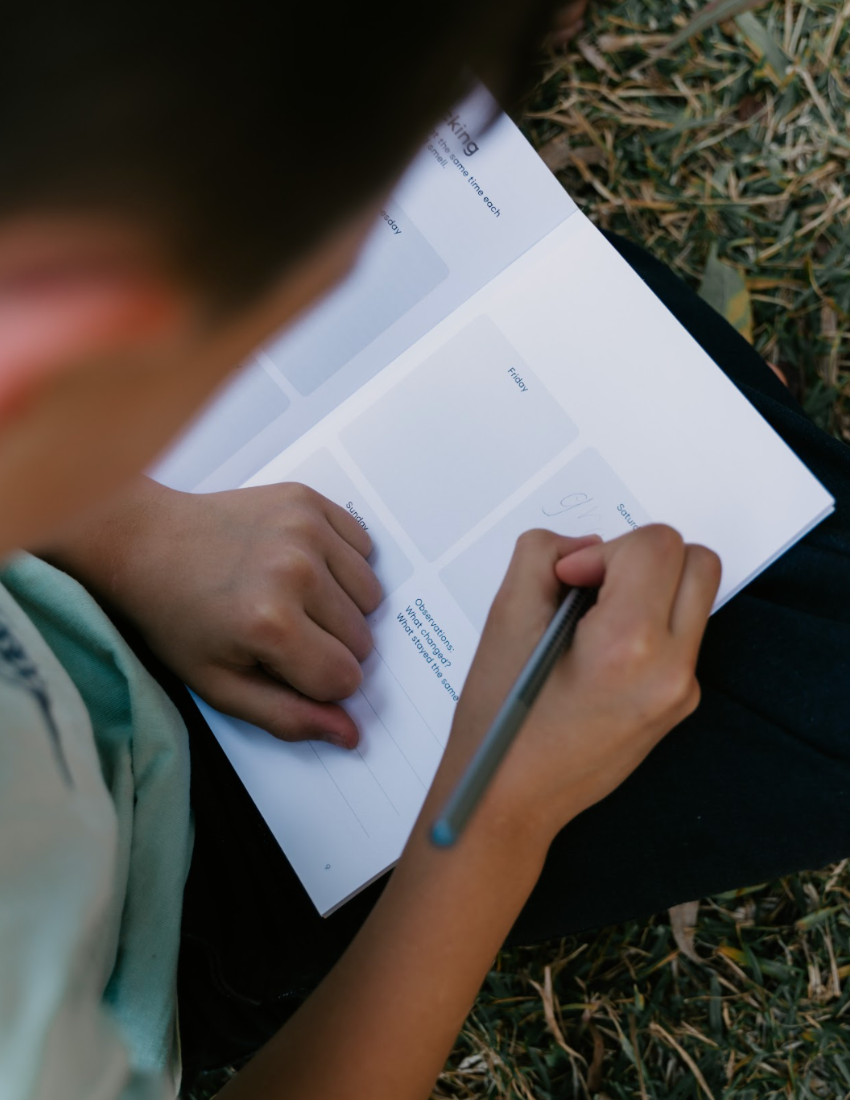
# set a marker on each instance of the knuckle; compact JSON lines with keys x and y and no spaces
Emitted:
{"x":679,"y":689}
{"x":665,"y":540}
{"x":529,"y":549}
{"x":300,"y":493}
{"x":376,"y":596}
{"x":693,"y":698}
{"x":304,"y":512}
{"x":707,"y":562}
{"x":309,"y":525}
{"x":370,"y":593}
{"x":298,"y":569}
{"x":340,"y":677}
{"x":365,"y":538}
{"x":348,"y":678}
{"x":633,"y":649}
{"x":266,"y":622}
{"x":362,"y":646}
{"x":534,"y":541}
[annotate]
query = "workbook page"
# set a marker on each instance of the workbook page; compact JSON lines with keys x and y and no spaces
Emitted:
{"x":562,"y":395}
{"x":475,"y":199}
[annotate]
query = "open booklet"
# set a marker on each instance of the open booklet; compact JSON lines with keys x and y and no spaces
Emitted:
{"x":491,"y":365}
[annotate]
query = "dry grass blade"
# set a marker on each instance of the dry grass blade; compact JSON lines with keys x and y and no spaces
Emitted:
{"x":547,"y":998}
{"x":594,"y":1070}
{"x":666,"y":1037}
{"x":683,"y":919}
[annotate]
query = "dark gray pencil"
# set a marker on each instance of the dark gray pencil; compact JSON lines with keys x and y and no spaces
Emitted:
{"x":481,"y":768}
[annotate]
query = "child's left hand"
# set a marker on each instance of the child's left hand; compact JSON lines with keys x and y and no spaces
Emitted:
{"x":256,"y":598}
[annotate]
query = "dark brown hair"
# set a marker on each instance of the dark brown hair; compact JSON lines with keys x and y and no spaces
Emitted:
{"x":242,"y":131}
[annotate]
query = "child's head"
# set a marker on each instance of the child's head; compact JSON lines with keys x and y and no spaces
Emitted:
{"x":178,"y":180}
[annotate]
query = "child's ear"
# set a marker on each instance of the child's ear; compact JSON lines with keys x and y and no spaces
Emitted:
{"x":65,"y":302}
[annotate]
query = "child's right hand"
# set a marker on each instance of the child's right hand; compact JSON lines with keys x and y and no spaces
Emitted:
{"x":626,"y":681}
{"x":396,"y":1000}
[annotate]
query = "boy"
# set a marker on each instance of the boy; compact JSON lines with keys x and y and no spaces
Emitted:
{"x":174,"y":187}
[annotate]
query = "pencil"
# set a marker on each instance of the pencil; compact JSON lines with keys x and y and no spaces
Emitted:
{"x":479,"y":771}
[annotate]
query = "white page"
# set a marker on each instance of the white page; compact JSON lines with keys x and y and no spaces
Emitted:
{"x":562,"y":395}
{"x":456,"y":220}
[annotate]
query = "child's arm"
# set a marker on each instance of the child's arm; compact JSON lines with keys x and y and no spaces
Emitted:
{"x":382,"y":1023}
{"x":236,"y":592}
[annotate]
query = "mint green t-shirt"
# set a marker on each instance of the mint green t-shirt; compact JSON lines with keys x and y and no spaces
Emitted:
{"x":95,"y":842}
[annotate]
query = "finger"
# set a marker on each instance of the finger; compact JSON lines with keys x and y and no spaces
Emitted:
{"x":695,"y":598}
{"x":524,"y":605}
{"x":331,"y":608}
{"x":638,"y":574}
{"x":531,"y":590}
{"x":353,"y":574}
{"x":308,"y":658}
{"x":347,"y":527}
{"x":253,"y":696}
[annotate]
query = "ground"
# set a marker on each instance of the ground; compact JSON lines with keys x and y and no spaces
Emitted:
{"x":726,"y":154}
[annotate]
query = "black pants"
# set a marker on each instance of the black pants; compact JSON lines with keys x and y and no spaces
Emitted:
{"x":755,"y":784}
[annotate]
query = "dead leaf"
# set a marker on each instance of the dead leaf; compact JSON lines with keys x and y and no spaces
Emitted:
{"x":588,"y":154}
{"x":683,"y":919}
{"x":593,"y":57}
{"x":556,"y":153}
{"x":748,"y":106}
{"x":724,"y":288}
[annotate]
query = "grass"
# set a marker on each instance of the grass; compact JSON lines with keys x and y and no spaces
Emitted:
{"x":761,"y":1011}
{"x":732,"y":149}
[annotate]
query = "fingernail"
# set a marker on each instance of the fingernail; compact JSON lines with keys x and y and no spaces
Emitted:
{"x":337,"y":739}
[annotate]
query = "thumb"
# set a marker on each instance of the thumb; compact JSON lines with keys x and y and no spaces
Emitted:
{"x":586,"y":567}
{"x":253,"y":696}
{"x":531,"y":590}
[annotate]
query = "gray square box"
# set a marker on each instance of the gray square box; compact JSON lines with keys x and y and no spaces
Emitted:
{"x":585,"y":497}
{"x":457,"y":436}
{"x":409,"y":270}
